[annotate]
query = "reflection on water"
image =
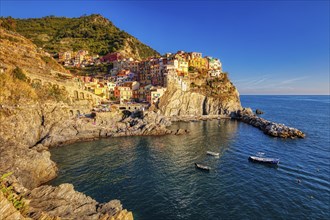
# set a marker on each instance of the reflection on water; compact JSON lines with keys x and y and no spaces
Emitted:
{"x":155,"y":177}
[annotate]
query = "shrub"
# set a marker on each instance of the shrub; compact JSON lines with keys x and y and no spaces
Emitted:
{"x":8,"y":23}
{"x":18,"y":74}
{"x":46,"y":59}
{"x":51,"y":92}
{"x":18,"y":201}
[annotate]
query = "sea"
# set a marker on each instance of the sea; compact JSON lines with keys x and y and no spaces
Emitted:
{"x":155,"y":177}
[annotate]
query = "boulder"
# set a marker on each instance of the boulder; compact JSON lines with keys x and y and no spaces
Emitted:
{"x":259,"y":112}
{"x":181,"y":131}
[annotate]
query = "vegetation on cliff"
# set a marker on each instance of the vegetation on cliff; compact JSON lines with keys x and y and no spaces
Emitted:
{"x":93,"y":33}
{"x":215,"y":87}
{"x":18,"y":201}
{"x":19,"y":58}
{"x":17,"y":51}
{"x":218,"y":88}
{"x":10,"y":94}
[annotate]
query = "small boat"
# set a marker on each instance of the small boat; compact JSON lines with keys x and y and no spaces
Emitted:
{"x":202,"y":167}
{"x":265,"y":160}
{"x":212,"y":153}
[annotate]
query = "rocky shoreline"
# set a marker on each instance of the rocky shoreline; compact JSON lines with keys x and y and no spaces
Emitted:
{"x":192,"y":118}
{"x":270,"y":128}
{"x":58,"y":130}
{"x":27,"y":133}
{"x":65,"y":202}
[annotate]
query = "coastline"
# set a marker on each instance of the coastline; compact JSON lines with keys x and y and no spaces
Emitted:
{"x":25,"y":150}
{"x":234,"y":140}
{"x":70,"y":130}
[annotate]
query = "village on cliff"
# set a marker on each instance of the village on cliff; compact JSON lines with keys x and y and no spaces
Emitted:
{"x":133,"y":81}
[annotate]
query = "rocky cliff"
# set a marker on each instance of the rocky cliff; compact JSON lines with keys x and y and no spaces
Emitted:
{"x":37,"y":115}
{"x":205,"y":96}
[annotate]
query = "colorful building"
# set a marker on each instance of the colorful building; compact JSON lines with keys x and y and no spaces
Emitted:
{"x":128,"y":91}
{"x":214,"y":63}
{"x":64,"y":56}
{"x":197,"y":61}
{"x":111,"y":57}
{"x":156,"y":93}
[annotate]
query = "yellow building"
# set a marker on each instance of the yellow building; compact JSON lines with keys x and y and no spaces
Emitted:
{"x":101,"y":90}
{"x":126,"y":93}
{"x":98,"y":91}
{"x":182,"y":65}
{"x":198,"y":62}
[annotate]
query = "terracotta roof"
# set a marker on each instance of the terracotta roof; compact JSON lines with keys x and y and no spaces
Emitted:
{"x":128,"y":84}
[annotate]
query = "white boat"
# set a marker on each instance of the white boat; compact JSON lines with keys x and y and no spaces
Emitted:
{"x":212,"y":153}
{"x":202,"y":167}
{"x":261,"y":159}
{"x":264,"y":160}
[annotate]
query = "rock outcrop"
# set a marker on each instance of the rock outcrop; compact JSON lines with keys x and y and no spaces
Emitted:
{"x":28,"y":131}
{"x":8,"y":211}
{"x":181,"y":131}
{"x":64,"y":202}
{"x":26,"y":135}
{"x":176,"y":102}
{"x":259,"y":112}
{"x":268,"y":127}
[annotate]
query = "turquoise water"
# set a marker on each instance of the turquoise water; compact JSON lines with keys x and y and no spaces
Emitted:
{"x":155,"y":177}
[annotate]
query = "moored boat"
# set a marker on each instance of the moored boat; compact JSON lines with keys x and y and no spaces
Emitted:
{"x":265,"y":160}
{"x":202,"y":167}
{"x":212,"y":153}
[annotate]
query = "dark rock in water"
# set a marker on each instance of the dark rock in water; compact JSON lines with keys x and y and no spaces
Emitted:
{"x":244,"y":111}
{"x":111,"y":208}
{"x":259,"y":112}
{"x":181,"y":131}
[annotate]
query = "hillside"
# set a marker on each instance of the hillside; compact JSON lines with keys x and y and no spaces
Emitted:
{"x":94,"y":33}
{"x":20,"y":60}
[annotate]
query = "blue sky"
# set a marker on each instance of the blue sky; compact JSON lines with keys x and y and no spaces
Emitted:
{"x":268,"y":47}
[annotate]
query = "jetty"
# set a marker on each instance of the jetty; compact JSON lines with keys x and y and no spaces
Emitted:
{"x":270,"y":128}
